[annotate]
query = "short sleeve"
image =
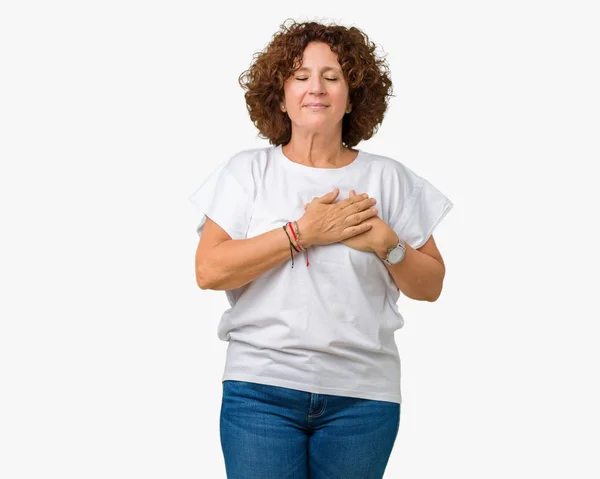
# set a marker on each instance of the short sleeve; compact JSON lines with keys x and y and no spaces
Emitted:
{"x":224,"y":199}
{"x":426,"y":208}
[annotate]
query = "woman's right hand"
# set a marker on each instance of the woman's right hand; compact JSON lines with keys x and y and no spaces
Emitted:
{"x":325,"y":222}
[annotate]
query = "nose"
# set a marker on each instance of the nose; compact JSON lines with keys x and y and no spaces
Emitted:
{"x":316,"y":85}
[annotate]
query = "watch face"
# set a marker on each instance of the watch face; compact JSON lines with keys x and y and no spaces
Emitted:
{"x":396,"y":255}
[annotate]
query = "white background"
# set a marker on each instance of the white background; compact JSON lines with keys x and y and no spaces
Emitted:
{"x":112,"y":113}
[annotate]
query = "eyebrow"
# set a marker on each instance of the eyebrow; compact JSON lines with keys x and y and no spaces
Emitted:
{"x":324,"y":69}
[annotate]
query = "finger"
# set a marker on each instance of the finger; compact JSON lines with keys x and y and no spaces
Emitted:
{"x":329,"y":197}
{"x":352,"y":193}
{"x":363,"y":201}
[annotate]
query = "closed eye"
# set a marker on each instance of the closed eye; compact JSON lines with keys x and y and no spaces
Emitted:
{"x":330,"y":79}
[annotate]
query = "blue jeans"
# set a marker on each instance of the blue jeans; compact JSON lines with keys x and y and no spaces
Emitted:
{"x":271,"y":432}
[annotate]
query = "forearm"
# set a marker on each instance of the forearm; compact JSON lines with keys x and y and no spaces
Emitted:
{"x":419,"y":276}
{"x":235,"y":263}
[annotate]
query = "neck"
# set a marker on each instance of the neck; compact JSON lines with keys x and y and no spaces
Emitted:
{"x":317,"y":154}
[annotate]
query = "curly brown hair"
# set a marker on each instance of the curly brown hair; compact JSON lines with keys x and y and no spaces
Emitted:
{"x":367,"y":75}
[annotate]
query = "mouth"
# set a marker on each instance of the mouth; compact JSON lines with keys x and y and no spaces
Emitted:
{"x":316,"y":105}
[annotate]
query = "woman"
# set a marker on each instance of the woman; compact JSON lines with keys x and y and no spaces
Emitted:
{"x":311,"y":386}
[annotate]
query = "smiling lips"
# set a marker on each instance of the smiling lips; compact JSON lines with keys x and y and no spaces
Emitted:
{"x":316,"y":105}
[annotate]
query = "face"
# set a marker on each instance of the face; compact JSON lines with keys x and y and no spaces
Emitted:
{"x":316,"y":95}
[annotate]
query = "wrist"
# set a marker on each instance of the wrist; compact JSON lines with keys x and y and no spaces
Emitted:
{"x":290,"y":234}
{"x":389,"y":241}
{"x":303,"y":236}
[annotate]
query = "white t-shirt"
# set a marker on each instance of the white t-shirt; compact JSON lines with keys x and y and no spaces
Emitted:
{"x":326,"y":328}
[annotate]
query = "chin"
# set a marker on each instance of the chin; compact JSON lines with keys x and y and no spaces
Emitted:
{"x":317,"y":127}
{"x":319,"y":120}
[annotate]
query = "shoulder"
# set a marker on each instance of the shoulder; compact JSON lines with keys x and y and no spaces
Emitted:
{"x":392,"y":171}
{"x":245,"y":160}
{"x":247,"y":166}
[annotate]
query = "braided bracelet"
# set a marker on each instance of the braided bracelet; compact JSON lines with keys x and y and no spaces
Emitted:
{"x":290,"y":240}
{"x":291,"y":245}
{"x":296,"y":233}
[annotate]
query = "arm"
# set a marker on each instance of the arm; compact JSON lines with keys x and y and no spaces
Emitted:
{"x":223,"y":263}
{"x":420,"y":275}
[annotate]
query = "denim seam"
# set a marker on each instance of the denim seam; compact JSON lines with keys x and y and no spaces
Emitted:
{"x":320,"y":413}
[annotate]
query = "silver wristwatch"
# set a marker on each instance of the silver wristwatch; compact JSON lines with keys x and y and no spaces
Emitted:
{"x":396,"y":253}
